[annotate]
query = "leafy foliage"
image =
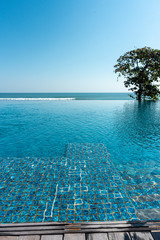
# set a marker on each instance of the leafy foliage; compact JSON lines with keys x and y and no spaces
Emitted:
{"x":141,"y":69}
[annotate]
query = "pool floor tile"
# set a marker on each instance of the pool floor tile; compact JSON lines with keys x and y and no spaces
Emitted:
{"x":82,"y":186}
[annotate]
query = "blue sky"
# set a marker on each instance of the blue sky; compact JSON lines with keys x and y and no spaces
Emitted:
{"x":71,"y":45}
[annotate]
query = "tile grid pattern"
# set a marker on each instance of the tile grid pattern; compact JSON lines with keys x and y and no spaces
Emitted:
{"x":83,"y":186}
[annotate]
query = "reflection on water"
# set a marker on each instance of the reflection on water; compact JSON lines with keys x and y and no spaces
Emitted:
{"x":138,"y":130}
{"x":139,"y":164}
{"x":130,"y":131}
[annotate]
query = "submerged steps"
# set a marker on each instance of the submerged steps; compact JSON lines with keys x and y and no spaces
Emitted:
{"x":82,"y":186}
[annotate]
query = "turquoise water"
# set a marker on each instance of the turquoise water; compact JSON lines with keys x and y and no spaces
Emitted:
{"x":75,"y":96}
{"x":44,"y":129}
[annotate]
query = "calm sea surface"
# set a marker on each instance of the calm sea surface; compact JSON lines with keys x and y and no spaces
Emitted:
{"x":66,"y":96}
{"x":129,"y":130}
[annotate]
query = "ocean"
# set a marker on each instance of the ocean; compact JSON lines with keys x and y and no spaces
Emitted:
{"x":65,"y":96}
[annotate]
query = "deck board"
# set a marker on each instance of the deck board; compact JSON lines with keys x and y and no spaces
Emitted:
{"x":141,"y":236}
{"x":51,"y":237}
{"x":75,"y":236}
{"x":9,"y":238}
{"x":119,"y":236}
{"x":81,"y":231}
{"x":95,"y":236}
{"x":34,"y":237}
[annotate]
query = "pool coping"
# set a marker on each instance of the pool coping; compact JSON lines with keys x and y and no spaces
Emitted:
{"x":48,"y":228}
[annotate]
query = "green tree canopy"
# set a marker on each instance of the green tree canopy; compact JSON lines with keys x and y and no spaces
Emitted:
{"x":141,"y":69}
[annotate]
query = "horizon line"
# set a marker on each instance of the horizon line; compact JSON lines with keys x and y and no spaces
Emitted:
{"x":65,"y":92}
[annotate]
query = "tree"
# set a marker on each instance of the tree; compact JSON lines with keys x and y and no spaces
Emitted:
{"x":141,"y":69}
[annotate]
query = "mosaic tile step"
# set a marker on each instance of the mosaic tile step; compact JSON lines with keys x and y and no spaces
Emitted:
{"x":83,"y":186}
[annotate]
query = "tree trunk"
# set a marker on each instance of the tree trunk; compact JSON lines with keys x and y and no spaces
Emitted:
{"x":139,"y":96}
{"x":139,"y":93}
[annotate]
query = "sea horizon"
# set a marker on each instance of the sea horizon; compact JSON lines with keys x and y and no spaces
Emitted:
{"x":65,"y":96}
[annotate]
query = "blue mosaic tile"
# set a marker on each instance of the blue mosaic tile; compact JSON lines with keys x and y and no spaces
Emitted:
{"x":94,"y":218}
{"x":2,"y":213}
{"x":62,"y":218}
{"x":47,"y":219}
{"x":6,"y":220}
{"x":86,"y":218}
{"x":22,"y":219}
{"x":131,"y":210}
{"x":117,"y":216}
{"x":125,"y":216}
{"x":102,"y":217}
{"x":79,"y":218}
{"x":110,"y":217}
{"x":71,"y":217}
{"x":15,"y":219}
{"x":82,"y":186}
{"x":108,"y":210}
{"x":101,"y":210}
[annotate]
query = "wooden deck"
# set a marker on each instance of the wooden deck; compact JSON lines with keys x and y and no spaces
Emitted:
{"x":81,"y":231}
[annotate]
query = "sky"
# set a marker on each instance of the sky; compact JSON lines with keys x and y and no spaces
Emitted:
{"x":71,"y":45}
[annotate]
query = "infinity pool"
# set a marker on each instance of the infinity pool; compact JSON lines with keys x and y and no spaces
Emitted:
{"x":79,"y":161}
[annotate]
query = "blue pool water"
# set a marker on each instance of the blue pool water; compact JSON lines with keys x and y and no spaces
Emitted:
{"x":37,"y":139}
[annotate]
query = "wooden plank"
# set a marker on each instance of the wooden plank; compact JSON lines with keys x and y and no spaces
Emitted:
{"x":116,"y":222}
{"x":32,"y":228}
{"x":51,"y":237}
{"x":33,"y":224}
{"x":153,"y":223}
{"x":8,"y":238}
{"x":141,"y":236}
{"x":97,"y":236}
{"x":154,"y":226}
{"x":106,"y":226}
{"x":80,"y":236}
{"x":74,"y":227}
{"x":119,"y":236}
{"x":29,"y":233}
{"x":85,"y":223}
{"x":156,"y":235}
{"x":109,"y":230}
{"x":34,"y":237}
{"x":49,"y":232}
{"x":68,"y":227}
